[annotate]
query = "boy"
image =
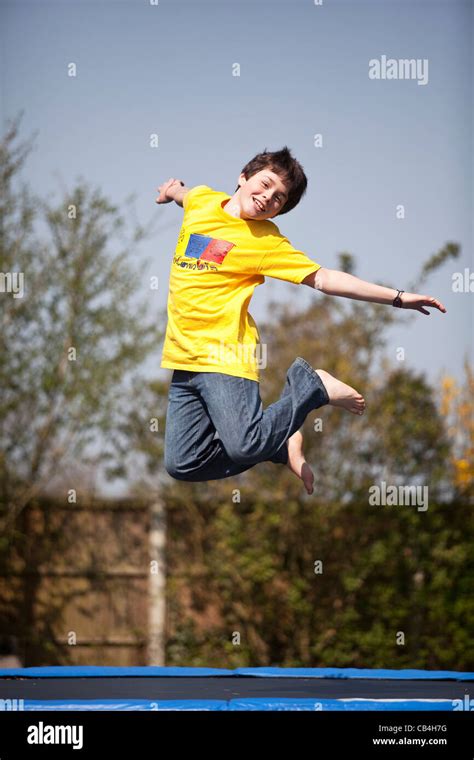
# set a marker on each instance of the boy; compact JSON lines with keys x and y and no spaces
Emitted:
{"x":226,"y":247}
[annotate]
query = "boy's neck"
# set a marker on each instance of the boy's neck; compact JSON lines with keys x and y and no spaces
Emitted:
{"x":233,"y":207}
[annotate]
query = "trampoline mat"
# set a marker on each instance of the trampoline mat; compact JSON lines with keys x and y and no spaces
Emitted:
{"x":226,"y":688}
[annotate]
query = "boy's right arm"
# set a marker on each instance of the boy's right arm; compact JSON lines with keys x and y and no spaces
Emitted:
{"x":172,"y":190}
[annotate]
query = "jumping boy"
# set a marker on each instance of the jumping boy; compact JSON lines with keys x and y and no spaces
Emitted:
{"x":216,"y":426}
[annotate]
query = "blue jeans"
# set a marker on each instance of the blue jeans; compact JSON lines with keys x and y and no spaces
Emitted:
{"x":203,"y":404}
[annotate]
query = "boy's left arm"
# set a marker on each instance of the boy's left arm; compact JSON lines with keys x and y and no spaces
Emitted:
{"x":335,"y":283}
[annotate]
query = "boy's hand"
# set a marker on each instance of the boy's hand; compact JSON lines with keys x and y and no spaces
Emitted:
{"x":417,"y":302}
{"x":167,"y":190}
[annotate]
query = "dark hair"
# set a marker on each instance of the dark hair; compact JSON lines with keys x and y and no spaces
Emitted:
{"x":288,"y":169}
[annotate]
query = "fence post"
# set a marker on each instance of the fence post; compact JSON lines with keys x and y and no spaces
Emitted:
{"x":157,"y":583}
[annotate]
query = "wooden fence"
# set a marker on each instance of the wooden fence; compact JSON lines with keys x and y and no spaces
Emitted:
{"x":85,"y":584}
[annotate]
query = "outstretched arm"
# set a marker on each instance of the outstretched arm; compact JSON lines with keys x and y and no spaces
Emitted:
{"x":335,"y":283}
{"x":172,"y":190}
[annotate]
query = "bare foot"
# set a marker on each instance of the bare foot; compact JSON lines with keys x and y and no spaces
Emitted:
{"x":297,"y":463}
{"x":341,"y":394}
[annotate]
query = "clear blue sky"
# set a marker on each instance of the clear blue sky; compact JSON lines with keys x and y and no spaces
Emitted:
{"x":167,"y":69}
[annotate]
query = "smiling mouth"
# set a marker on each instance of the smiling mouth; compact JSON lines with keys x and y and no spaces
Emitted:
{"x":260,"y":206}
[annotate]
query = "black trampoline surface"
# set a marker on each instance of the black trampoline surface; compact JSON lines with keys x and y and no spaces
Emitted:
{"x":221,"y":687}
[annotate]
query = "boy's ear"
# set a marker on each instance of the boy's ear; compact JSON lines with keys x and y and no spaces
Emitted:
{"x":242,"y":180}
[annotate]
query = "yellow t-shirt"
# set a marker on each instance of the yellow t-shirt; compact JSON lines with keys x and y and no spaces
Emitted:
{"x":218,"y":262}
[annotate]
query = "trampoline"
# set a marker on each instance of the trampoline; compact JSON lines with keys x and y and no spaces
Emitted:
{"x":175,"y":688}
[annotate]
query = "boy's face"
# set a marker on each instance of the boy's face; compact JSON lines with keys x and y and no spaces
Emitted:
{"x":262,"y":196}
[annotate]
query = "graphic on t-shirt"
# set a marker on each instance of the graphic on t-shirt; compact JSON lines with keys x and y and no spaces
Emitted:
{"x":207,"y":248}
